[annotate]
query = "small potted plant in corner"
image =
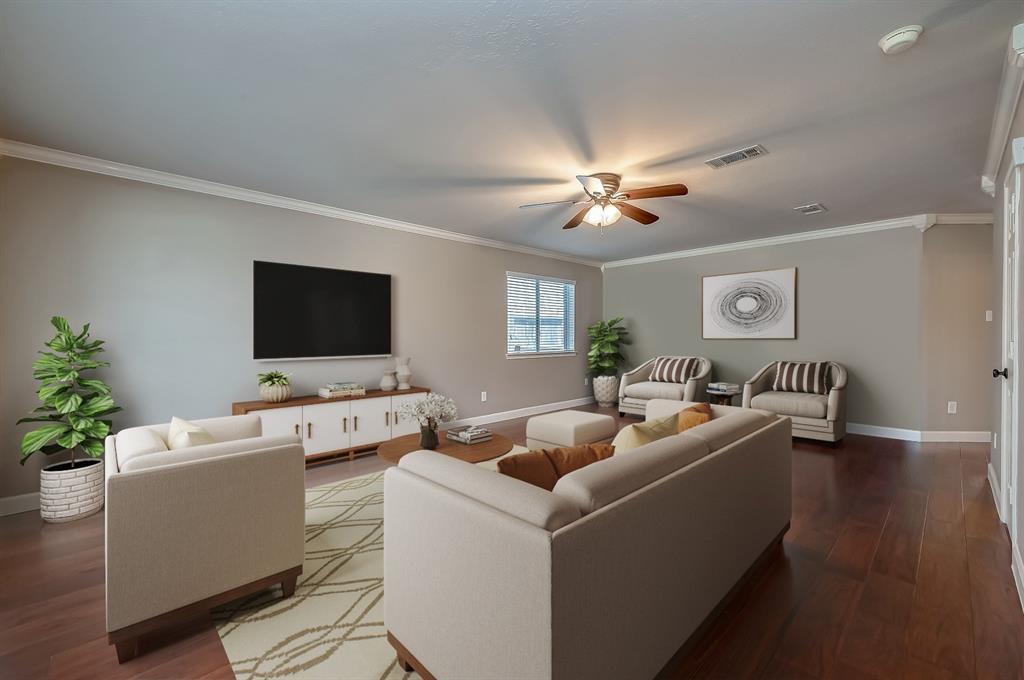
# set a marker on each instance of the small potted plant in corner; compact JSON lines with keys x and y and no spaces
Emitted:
{"x":604,"y":358}
{"x":430,"y":412}
{"x":74,"y":416}
{"x":275,"y":386}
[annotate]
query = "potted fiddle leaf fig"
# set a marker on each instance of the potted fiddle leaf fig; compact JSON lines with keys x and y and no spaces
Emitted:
{"x":605,"y":357}
{"x":73,"y":418}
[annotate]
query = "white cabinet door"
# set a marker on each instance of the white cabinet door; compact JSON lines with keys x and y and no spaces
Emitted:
{"x":371,"y":420}
{"x":403,"y":425}
{"x":281,"y":421}
{"x":326,"y":427}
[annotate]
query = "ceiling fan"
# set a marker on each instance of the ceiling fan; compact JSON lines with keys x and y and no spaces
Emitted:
{"x":606,"y":203}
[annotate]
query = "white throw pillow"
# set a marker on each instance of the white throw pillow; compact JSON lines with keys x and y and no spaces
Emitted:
{"x":184,"y":434}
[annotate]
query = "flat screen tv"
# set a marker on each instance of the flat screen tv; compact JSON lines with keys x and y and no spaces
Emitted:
{"x":304,"y":312}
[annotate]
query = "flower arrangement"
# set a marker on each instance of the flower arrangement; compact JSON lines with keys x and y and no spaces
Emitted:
{"x":275,"y":378}
{"x":431,"y":410}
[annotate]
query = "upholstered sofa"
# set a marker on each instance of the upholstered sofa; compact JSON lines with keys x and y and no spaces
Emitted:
{"x":191,"y":528}
{"x":814,"y":416}
{"x":605,"y":577}
{"x":636,"y":387}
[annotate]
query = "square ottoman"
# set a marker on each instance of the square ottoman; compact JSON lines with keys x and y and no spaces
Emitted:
{"x":568,"y":428}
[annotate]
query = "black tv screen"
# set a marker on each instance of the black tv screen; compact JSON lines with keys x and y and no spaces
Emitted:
{"x":304,"y":312}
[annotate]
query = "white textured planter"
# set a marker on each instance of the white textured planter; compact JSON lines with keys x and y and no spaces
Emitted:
{"x":66,"y":495}
{"x":606,"y":390}
{"x":275,"y":393}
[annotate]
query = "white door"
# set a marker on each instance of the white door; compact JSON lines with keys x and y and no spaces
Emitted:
{"x":371,"y":420}
{"x":281,"y":421}
{"x":1009,"y":441}
{"x":327,"y":427}
{"x":403,"y":425}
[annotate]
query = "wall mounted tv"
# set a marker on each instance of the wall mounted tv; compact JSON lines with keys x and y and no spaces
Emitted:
{"x":312,"y":312}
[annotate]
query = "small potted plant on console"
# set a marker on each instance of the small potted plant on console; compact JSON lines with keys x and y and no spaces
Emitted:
{"x":275,"y":387}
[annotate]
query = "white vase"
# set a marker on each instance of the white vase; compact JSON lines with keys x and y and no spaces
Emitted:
{"x":402,"y":371}
{"x":606,"y":390}
{"x":275,"y":393}
{"x":388,"y":382}
{"x":72,"y":493}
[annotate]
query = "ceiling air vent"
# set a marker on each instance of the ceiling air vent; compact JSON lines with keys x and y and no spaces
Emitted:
{"x":810,"y":209}
{"x":746,"y":154}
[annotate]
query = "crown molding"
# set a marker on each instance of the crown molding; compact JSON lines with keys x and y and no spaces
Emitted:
{"x":75,"y":161}
{"x":964,"y":218}
{"x":1008,"y":99}
{"x":919,"y":222}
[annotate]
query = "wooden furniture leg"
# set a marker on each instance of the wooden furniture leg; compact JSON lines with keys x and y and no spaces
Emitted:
{"x":127,"y":649}
{"x":288,"y":585}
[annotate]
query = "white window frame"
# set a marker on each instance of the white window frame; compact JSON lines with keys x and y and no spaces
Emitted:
{"x":571,"y":336}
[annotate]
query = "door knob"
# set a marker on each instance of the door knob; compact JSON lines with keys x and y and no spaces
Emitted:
{"x":996,"y":373}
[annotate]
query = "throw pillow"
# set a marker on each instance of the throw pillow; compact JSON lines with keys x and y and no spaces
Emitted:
{"x":545,"y":467}
{"x":638,"y":434}
{"x":183,"y":434}
{"x":674,"y":369}
{"x":811,"y":377}
{"x":698,"y":414}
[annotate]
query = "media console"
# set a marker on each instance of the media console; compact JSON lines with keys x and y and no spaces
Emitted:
{"x":337,"y":426}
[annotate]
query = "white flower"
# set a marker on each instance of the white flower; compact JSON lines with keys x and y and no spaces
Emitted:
{"x":430,"y":410}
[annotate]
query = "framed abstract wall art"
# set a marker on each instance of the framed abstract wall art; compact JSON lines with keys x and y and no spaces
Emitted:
{"x":751,"y":306}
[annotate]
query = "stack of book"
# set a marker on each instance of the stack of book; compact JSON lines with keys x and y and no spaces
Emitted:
{"x":341,"y":389}
{"x":470,"y":434}
{"x":724,"y":388}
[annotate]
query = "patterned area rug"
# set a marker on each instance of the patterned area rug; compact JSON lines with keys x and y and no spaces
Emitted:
{"x":333,"y":627}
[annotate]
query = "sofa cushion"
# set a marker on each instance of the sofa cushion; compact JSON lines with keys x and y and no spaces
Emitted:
{"x":136,"y":441}
{"x":570,"y":428}
{"x":606,"y":481}
{"x":536,"y":506}
{"x":674,"y":369}
{"x":692,"y":416}
{"x":727,"y":429}
{"x":182,"y":434}
{"x":191,"y":453}
{"x":544,"y":468}
{"x":650,"y":389}
{"x":224,"y":428}
{"x":638,"y":434}
{"x":792,"y":403}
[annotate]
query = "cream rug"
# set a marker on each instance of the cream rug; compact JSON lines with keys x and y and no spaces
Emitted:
{"x":333,"y":627}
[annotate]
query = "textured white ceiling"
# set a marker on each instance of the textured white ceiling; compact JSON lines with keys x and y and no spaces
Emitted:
{"x":450,"y":114}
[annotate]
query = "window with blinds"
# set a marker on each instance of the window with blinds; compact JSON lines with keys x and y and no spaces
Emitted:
{"x":541,"y":315}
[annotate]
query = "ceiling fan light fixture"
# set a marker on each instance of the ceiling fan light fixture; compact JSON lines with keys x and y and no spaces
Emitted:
{"x":602,"y":214}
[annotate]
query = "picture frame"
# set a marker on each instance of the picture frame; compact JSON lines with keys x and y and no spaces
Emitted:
{"x":754,"y":305}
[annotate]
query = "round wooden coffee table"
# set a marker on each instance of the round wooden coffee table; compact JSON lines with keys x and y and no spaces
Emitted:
{"x":393,"y":450}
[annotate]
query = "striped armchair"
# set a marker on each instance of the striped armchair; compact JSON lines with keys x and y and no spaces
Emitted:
{"x":679,"y":378}
{"x":817,"y":413}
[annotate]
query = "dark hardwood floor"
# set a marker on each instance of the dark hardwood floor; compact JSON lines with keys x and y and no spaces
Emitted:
{"x":896,"y":566}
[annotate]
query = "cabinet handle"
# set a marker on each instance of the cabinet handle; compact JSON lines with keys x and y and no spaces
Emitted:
{"x":355,"y":423}
{"x":309,"y":430}
{"x":344,"y":424}
{"x":396,"y":417}
{"x":387,"y":418}
{"x":296,"y":428}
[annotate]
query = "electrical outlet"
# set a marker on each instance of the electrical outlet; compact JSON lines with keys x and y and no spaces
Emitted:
{"x":586,"y":381}
{"x":483,"y":396}
{"x":951,"y":408}
{"x":988,"y":315}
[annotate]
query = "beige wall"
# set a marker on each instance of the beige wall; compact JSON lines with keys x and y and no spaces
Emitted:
{"x":165,"y":277}
{"x":861,"y":301}
{"x":956,"y":337}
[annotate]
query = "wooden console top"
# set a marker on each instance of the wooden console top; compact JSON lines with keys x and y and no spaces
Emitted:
{"x":242,"y":407}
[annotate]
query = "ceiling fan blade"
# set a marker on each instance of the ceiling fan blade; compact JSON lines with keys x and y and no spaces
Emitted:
{"x":656,"y":192}
{"x":539,"y":205}
{"x":592,"y":185}
{"x":577,"y":218}
{"x":635,"y":213}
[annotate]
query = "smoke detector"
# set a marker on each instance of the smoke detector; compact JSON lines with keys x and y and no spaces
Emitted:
{"x":900,"y":40}
{"x":811,"y":209}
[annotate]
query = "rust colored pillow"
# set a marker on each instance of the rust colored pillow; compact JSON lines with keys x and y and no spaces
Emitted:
{"x":695,"y":415}
{"x":544,"y":468}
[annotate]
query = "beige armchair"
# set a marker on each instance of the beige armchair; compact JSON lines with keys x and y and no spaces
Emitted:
{"x":193,"y":528}
{"x":636,"y":387}
{"x":814,"y":416}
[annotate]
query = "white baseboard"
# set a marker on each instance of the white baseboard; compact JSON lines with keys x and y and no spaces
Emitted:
{"x":12,"y":505}
{"x":886,"y":432}
{"x":919,"y":435}
{"x":522,"y":412}
{"x":993,"y":482}
{"x":1017,"y":567}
